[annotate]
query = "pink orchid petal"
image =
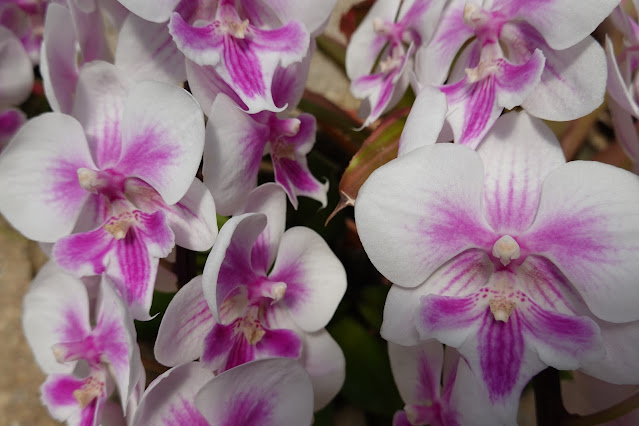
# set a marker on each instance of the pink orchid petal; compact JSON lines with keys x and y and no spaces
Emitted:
{"x":58,"y":64}
{"x":205,"y":84}
{"x":465,"y":274}
{"x":91,"y":33}
{"x":192,"y":219}
{"x":270,"y":200}
{"x":315,"y":279}
{"x":16,"y":70}
{"x":618,"y":86}
{"x":224,"y":349}
{"x":515,"y":168}
{"x":573,"y":83}
{"x":515,"y":82}
{"x":433,"y":61}
{"x":324,"y":361}
{"x":289,"y":82}
{"x":563,"y":23}
{"x":39,"y":174}
{"x":57,"y":394}
{"x":98,"y":105}
{"x":229,"y":263}
{"x":155,"y":11}
{"x":147,"y":52}
{"x":116,"y":336}
{"x":583,"y":227}
{"x":291,"y":170}
{"x":417,"y":370}
{"x":164,"y":126}
{"x":408,"y":241}
{"x":55,"y":310}
{"x":169,"y":399}
{"x":185,"y":324}
{"x":425,"y":120}
{"x":269,"y":392}
{"x":11,"y":120}
{"x":235,"y":144}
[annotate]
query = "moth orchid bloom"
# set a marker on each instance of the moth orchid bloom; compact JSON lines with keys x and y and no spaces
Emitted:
{"x":264,"y":293}
{"x":236,"y":142}
{"x":244,"y":44}
{"x":623,"y":84}
{"x":270,"y":392}
{"x":537,"y":54}
{"x":82,"y":361}
{"x":145,"y":50}
{"x":506,"y":253}
{"x":419,"y":372}
{"x":25,"y":19}
{"x":380,"y":52}
{"x":120,"y":175}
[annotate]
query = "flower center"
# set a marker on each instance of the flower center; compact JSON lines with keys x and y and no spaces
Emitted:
{"x":92,"y":388}
{"x":506,"y":249}
{"x":118,"y":226}
{"x":251,"y":326}
{"x":501,"y":307}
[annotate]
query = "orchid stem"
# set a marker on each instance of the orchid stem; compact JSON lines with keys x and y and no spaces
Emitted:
{"x":621,"y":409}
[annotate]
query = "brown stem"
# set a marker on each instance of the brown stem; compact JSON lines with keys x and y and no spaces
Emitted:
{"x":621,"y":409}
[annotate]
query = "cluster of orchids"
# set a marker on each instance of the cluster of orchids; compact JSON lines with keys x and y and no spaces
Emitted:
{"x":500,"y":258}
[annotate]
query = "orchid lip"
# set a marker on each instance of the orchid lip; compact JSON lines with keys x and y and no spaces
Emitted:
{"x":501,"y":308}
{"x":92,"y":388}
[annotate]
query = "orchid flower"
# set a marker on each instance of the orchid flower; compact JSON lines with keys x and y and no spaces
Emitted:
{"x":236,"y":142}
{"x":16,"y":70}
{"x":144,"y":51}
{"x":380,"y":52}
{"x":25,"y":19}
{"x":622,"y":85}
{"x":270,"y":392}
{"x":537,"y":54}
{"x":120,"y":175}
{"x":264,"y":293}
{"x":419,"y":372}
{"x":82,"y":361}
{"x":508,"y":254}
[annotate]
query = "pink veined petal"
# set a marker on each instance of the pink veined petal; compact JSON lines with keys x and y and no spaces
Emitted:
{"x":515,"y":82}
{"x":224,"y":348}
{"x":91,"y":34}
{"x":563,"y":23}
{"x":115,"y":335}
{"x":55,"y":310}
{"x":16,"y":71}
{"x":269,"y":199}
{"x":169,"y":399}
{"x":417,"y":371}
{"x":58,"y":63}
{"x":425,"y":121}
{"x":433,"y":60}
{"x":289,"y":82}
{"x":147,"y":51}
{"x":99,"y":106}
{"x":291,"y":169}
{"x":39,"y":174}
{"x":625,"y":132}
{"x":586,"y":229}
{"x":472,"y":109}
{"x":162,"y":138}
{"x":518,"y":154}
{"x":266,"y":393}
{"x":184,"y":326}
{"x":617,"y":85}
{"x":440,"y":221}
{"x":85,"y":253}
{"x":156,"y":11}
{"x":205,"y":84}
{"x":192,"y":219}
{"x":234,"y":147}
{"x":324,"y":361}
{"x":465,"y":274}
{"x":229,"y":263}
{"x":315,"y":279}
{"x":574,"y":79}
{"x":57,"y":394}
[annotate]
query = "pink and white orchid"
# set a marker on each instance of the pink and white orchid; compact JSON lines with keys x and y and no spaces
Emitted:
{"x":438,"y":387}
{"x":537,"y":54}
{"x":25,"y":18}
{"x":120,"y":175}
{"x":270,"y":392}
{"x":82,"y":361}
{"x":264,"y":293}
{"x":508,"y":254}
{"x":623,"y":81}
{"x":380,"y":52}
